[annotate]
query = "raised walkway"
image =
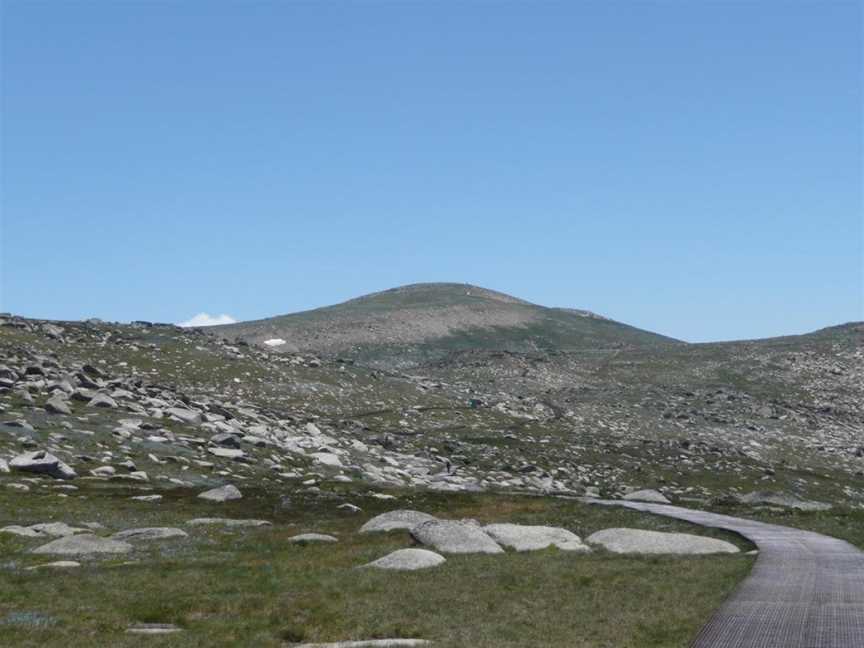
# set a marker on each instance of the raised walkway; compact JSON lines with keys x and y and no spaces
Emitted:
{"x":806,"y":590}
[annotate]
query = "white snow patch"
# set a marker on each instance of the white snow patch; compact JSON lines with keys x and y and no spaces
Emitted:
{"x":275,"y":342}
{"x":205,"y":319}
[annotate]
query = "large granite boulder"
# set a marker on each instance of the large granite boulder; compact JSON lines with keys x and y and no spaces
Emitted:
{"x":408,"y":560}
{"x":150,"y":533}
{"x":640,"y":541}
{"x":399,"y":519}
{"x":647,"y":495}
{"x":530,"y":538}
{"x":455,"y":536}
{"x":42,"y":462}
{"x":221,"y":494}
{"x":83,"y":544}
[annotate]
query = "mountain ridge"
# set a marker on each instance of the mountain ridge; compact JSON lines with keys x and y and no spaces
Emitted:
{"x":418,"y":322}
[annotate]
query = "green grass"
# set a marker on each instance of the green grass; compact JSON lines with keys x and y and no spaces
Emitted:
{"x":252,"y":587}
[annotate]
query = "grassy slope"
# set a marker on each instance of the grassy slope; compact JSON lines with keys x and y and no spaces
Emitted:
{"x":244,"y":588}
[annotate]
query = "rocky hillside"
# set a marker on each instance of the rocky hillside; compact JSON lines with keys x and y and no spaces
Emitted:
{"x":404,"y":326}
{"x":164,"y":407}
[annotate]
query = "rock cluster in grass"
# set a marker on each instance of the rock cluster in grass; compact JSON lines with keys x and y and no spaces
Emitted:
{"x":466,"y":537}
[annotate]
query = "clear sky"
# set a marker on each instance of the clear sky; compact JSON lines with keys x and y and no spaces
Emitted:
{"x":692,"y":167}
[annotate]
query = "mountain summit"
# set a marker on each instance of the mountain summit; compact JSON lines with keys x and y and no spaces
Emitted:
{"x":420,"y":322}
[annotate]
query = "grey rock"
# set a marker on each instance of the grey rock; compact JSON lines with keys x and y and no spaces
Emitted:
{"x":304,"y":538}
{"x":42,"y":462}
{"x":400,"y":519}
{"x":226,"y":439}
{"x":60,"y":564}
{"x":657,"y":542}
{"x":90,"y":370}
{"x":370,"y":643}
{"x":456,"y":537}
{"x":530,"y":538}
{"x":150,"y":533}
{"x":153,"y":628}
{"x":56,"y":405}
{"x":326,"y":459}
{"x":102,"y":400}
{"x":227,"y":522}
{"x":82,"y":395}
{"x":408,"y":560}
{"x":185,"y":415}
{"x":647,"y":495}
{"x":56,"y":529}
{"x":19,"y":423}
{"x":22,"y":531}
{"x":226,"y":453}
{"x":222,"y":494}
{"x":83,"y":544}
{"x":782,"y":499}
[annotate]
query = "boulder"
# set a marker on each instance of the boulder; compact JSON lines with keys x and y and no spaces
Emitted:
{"x":227,"y":522}
{"x":456,"y":537}
{"x":56,"y":529}
{"x":56,"y":405}
{"x":656,"y":542}
{"x":529,"y":538}
{"x":185,"y":415}
{"x":60,"y":564}
{"x":647,"y":495}
{"x":222,"y":494}
{"x":782,"y":499}
{"x":326,"y":459}
{"x":150,"y":533}
{"x":42,"y":462}
{"x":22,"y":531}
{"x":153,"y":628}
{"x":370,"y":643}
{"x":226,"y":453}
{"x":102,"y":400}
{"x":225,"y":439}
{"x":399,"y":519}
{"x":96,"y":372}
{"x":408,"y":560}
{"x":305,"y":538}
{"x":83,"y":544}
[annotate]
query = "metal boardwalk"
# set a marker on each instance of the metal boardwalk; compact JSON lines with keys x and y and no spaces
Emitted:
{"x":806,"y":590}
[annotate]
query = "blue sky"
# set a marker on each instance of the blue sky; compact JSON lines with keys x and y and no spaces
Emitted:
{"x":692,"y":168}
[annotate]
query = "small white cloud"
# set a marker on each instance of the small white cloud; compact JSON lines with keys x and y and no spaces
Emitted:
{"x":205,"y":319}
